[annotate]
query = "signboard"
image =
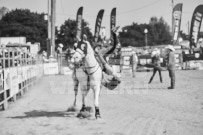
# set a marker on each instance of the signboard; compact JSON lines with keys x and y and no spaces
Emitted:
{"x":126,"y":58}
{"x":51,"y":68}
{"x":196,"y":25}
{"x":79,"y":23}
{"x":112,"y":20}
{"x":177,"y":47}
{"x":126,"y":62}
{"x":34,"y":48}
{"x":98,"y":25}
{"x":126,"y":51}
{"x":192,"y":56}
{"x":176,"y":19}
{"x":12,"y":40}
{"x":149,"y":61}
{"x":67,"y":71}
{"x":126,"y":67}
{"x":143,"y":61}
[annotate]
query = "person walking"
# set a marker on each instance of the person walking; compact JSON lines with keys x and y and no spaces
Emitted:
{"x":156,"y":64}
{"x":59,"y":55}
{"x":134,"y":60}
{"x":170,"y":60}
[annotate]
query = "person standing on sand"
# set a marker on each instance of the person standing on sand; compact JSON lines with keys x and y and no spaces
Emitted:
{"x":170,"y":60}
{"x":134,"y":61}
{"x":156,"y":62}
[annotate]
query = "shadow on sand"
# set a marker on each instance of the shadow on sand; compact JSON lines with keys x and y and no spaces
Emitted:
{"x":36,"y":113}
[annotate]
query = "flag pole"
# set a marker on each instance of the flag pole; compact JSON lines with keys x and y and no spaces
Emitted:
{"x":172,"y":27}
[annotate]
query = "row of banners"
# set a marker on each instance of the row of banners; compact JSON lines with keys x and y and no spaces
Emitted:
{"x":176,"y":23}
{"x":11,"y":78}
{"x":97,"y":24}
{"x":195,"y":23}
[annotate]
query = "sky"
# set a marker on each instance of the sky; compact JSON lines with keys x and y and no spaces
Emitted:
{"x":128,"y":11}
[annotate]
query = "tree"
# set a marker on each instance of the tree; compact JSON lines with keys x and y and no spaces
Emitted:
{"x":3,"y":11}
{"x":22,"y":22}
{"x":158,"y":33}
{"x":133,"y":35}
{"x":67,"y":33}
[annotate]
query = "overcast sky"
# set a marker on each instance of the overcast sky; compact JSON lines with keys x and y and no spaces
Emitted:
{"x":128,"y":11}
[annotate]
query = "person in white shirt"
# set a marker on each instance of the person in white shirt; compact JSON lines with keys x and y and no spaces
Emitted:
{"x":134,"y":61}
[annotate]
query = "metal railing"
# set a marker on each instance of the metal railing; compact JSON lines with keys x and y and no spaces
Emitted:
{"x":18,"y":72}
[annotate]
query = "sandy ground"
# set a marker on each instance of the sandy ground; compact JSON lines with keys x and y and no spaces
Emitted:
{"x":135,"y":108}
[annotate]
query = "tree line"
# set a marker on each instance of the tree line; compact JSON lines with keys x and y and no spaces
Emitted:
{"x":23,"y":22}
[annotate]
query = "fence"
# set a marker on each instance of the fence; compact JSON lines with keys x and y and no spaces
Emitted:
{"x":18,"y":72}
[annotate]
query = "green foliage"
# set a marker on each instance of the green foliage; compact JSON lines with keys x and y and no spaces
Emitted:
{"x":22,"y":22}
{"x":3,"y":11}
{"x":158,"y":33}
{"x":67,"y":33}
